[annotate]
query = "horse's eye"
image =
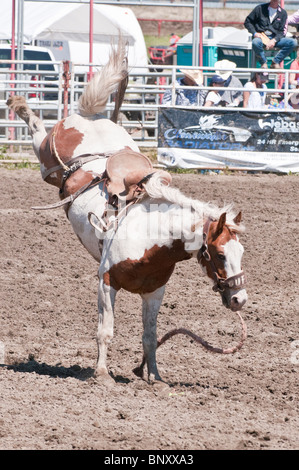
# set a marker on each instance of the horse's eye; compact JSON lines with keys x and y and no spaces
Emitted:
{"x":221,"y":256}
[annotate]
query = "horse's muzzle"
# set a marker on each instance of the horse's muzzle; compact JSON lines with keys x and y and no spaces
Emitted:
{"x":234,"y":300}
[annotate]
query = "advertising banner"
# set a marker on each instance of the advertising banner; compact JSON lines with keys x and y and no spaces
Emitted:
{"x":229,"y":139}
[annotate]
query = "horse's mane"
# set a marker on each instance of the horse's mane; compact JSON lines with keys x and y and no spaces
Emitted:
{"x":156,"y":189}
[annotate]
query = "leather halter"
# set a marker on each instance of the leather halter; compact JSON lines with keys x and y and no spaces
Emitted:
{"x":236,"y":282}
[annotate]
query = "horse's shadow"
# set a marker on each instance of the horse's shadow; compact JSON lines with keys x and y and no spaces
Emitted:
{"x":75,"y":371}
{"x":58,"y":371}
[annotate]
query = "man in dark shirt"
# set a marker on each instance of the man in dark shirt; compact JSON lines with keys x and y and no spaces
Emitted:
{"x":266,"y":23}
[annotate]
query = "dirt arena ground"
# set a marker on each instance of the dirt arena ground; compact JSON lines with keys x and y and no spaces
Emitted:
{"x":48,"y":282}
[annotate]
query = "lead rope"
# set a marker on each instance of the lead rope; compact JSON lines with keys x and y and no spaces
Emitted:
{"x":204,"y":343}
{"x":139,"y":370}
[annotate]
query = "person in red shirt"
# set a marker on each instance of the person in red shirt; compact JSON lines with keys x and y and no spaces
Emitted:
{"x":173,"y":39}
{"x":293,"y":77}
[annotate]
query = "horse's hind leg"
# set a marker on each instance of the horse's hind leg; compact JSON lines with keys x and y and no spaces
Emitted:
{"x":150,"y":309}
{"x":35,"y":124}
{"x":106,"y":298}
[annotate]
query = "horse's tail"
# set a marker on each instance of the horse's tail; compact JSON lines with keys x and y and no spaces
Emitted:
{"x":112,"y":78}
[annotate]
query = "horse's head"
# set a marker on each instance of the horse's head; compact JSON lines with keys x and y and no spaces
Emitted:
{"x":221,"y":255}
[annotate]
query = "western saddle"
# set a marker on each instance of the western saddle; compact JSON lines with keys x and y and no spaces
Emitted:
{"x":125,"y":173}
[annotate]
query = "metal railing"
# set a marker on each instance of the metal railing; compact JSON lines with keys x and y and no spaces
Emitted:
{"x":52,"y":96}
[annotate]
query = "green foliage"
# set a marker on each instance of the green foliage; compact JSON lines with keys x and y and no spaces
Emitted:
{"x":22,"y":163}
{"x":3,"y":150}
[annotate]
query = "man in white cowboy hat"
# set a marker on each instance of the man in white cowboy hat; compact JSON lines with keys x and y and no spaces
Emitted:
{"x":187,"y":96}
{"x":224,"y":69}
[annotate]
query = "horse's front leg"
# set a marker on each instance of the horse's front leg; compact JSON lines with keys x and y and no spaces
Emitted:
{"x":150,"y":308}
{"x":106,"y":298}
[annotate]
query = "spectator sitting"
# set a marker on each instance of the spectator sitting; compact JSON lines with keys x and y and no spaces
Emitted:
{"x":188,"y":96}
{"x":294,"y":76}
{"x":213,"y":97}
{"x":292,"y":20}
{"x":255,"y":99}
{"x":266,"y":23}
{"x":224,"y":69}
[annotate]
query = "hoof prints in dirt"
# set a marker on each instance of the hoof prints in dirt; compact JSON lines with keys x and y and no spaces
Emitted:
{"x":49,"y":399}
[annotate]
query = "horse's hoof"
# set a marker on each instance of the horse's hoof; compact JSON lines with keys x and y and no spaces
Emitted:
{"x":157,"y":383}
{"x":102,"y":377}
{"x":160,"y":386}
{"x":152,"y":378}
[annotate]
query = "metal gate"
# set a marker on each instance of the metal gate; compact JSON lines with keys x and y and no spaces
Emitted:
{"x":54,"y":95}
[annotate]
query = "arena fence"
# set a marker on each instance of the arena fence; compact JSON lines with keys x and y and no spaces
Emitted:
{"x":54,"y":94}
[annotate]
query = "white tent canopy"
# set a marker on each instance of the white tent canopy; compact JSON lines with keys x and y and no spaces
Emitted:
{"x":53,"y":23}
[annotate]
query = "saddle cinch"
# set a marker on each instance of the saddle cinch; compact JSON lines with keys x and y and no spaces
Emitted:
{"x":125,"y":173}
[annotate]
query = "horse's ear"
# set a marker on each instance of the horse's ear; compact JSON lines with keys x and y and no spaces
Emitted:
{"x":221,"y":223}
{"x":238,"y":218}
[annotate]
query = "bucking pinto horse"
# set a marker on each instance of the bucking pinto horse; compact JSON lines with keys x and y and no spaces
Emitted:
{"x":127,"y":215}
